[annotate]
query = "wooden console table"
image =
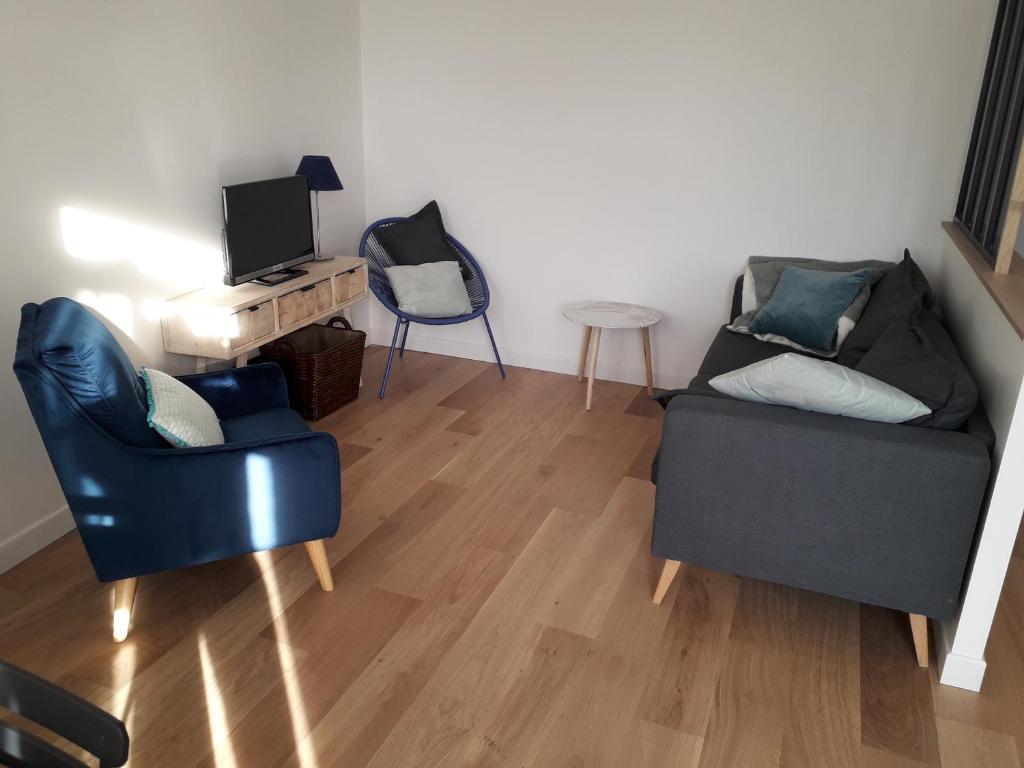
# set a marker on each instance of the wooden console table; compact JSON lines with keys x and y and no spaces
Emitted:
{"x":227,"y":322}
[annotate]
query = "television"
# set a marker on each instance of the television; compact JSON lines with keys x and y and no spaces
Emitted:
{"x":268,"y":229}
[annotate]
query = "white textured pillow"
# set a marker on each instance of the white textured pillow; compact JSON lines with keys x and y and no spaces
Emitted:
{"x":181,"y":416}
{"x":812,"y":384}
{"x":434,"y":289}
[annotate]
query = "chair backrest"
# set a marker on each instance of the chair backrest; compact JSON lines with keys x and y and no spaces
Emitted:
{"x":88,"y":405}
{"x":66,"y":346}
{"x":62,"y":712}
{"x":378,"y":258}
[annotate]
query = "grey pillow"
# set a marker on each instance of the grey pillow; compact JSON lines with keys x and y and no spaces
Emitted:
{"x":430,"y":290}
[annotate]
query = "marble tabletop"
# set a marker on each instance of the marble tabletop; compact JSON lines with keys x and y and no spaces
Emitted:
{"x":611,"y":314}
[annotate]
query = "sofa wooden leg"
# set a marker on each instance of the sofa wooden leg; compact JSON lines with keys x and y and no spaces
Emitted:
{"x":318,"y":556}
{"x":124,"y":601}
{"x":667,"y":574}
{"x":919,"y":628}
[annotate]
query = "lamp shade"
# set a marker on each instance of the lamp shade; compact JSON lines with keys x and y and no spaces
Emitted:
{"x":320,"y":171}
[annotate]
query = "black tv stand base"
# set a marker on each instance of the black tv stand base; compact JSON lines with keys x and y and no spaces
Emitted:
{"x":276,"y":278}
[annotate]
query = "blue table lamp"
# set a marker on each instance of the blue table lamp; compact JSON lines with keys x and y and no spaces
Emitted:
{"x":322,"y":178}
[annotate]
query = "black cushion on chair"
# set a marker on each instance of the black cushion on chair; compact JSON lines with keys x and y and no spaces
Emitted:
{"x":420,"y":239}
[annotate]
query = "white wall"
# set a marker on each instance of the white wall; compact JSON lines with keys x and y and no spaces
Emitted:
{"x":138,"y":112}
{"x":640,"y":151}
{"x":995,"y":354}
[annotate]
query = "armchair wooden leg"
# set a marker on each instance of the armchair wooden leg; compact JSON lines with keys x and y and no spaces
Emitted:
{"x":318,"y":556}
{"x":124,"y":601}
{"x":667,"y":574}
{"x":919,"y":628}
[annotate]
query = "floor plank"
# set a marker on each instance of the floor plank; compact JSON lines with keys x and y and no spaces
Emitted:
{"x":680,"y":690}
{"x":966,"y":746}
{"x":823,"y":726}
{"x":750,"y":713}
{"x":896,"y":709}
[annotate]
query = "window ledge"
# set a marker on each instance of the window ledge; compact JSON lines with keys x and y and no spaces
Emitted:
{"x":1006,"y":290}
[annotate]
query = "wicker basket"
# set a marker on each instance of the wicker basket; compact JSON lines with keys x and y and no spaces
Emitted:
{"x":322,"y":364}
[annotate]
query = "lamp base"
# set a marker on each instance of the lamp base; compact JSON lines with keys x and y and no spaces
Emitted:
{"x":317,"y":255}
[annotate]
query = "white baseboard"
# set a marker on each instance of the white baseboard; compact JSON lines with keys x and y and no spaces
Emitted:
{"x":26,"y":542}
{"x":541,"y":361}
{"x":956,"y":669}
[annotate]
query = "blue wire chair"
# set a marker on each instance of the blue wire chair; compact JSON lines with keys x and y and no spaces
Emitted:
{"x":476,"y":285}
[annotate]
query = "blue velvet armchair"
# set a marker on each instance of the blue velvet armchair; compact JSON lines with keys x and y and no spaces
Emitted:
{"x":142,"y":506}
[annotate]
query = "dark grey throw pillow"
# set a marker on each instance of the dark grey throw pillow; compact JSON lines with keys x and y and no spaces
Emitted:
{"x":420,"y":239}
{"x":916,"y":354}
{"x":895,"y":295}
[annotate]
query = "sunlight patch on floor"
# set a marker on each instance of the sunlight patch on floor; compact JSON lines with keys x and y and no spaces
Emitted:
{"x":220,"y":733}
{"x":300,"y":720}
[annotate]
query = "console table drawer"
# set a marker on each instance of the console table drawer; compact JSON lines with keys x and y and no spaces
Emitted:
{"x":296,"y":306}
{"x":350,"y":284}
{"x":252,"y":324}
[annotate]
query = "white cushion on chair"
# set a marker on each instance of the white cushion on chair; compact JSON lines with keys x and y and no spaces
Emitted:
{"x":434,"y":289}
{"x":178,"y":413}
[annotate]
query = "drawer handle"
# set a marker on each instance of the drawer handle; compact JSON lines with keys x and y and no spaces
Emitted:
{"x":254,"y":308}
{"x":307,"y":288}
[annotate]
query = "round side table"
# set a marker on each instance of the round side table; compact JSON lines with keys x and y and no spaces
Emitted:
{"x":596,"y":316}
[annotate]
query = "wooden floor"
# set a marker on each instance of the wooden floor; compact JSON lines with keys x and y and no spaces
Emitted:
{"x":493,"y":607}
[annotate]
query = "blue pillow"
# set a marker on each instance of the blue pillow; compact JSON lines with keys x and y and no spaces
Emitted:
{"x":807,"y":304}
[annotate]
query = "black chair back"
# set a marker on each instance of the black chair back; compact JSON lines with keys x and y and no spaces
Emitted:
{"x":58,"y":710}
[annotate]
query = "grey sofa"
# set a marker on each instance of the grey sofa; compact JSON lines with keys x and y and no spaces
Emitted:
{"x":879,"y":513}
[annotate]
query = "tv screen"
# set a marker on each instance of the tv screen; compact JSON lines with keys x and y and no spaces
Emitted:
{"x":268,"y":227}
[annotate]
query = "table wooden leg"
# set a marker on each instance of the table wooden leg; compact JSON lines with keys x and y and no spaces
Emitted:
{"x":645,"y":334}
{"x":200,"y":365}
{"x":583,"y":354}
{"x":242,"y":360}
{"x":593,"y":365}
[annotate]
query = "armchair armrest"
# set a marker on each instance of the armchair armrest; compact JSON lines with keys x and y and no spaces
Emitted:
{"x":179,"y":507}
{"x":881,"y":513}
{"x":240,"y":391}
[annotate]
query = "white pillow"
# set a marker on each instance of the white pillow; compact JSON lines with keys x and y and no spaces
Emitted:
{"x":812,"y":384}
{"x":748,"y":301}
{"x":181,"y":416}
{"x":434,"y":289}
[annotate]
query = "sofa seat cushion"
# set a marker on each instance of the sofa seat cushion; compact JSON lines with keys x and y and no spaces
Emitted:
{"x":730,"y":351}
{"x":263,"y":425}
